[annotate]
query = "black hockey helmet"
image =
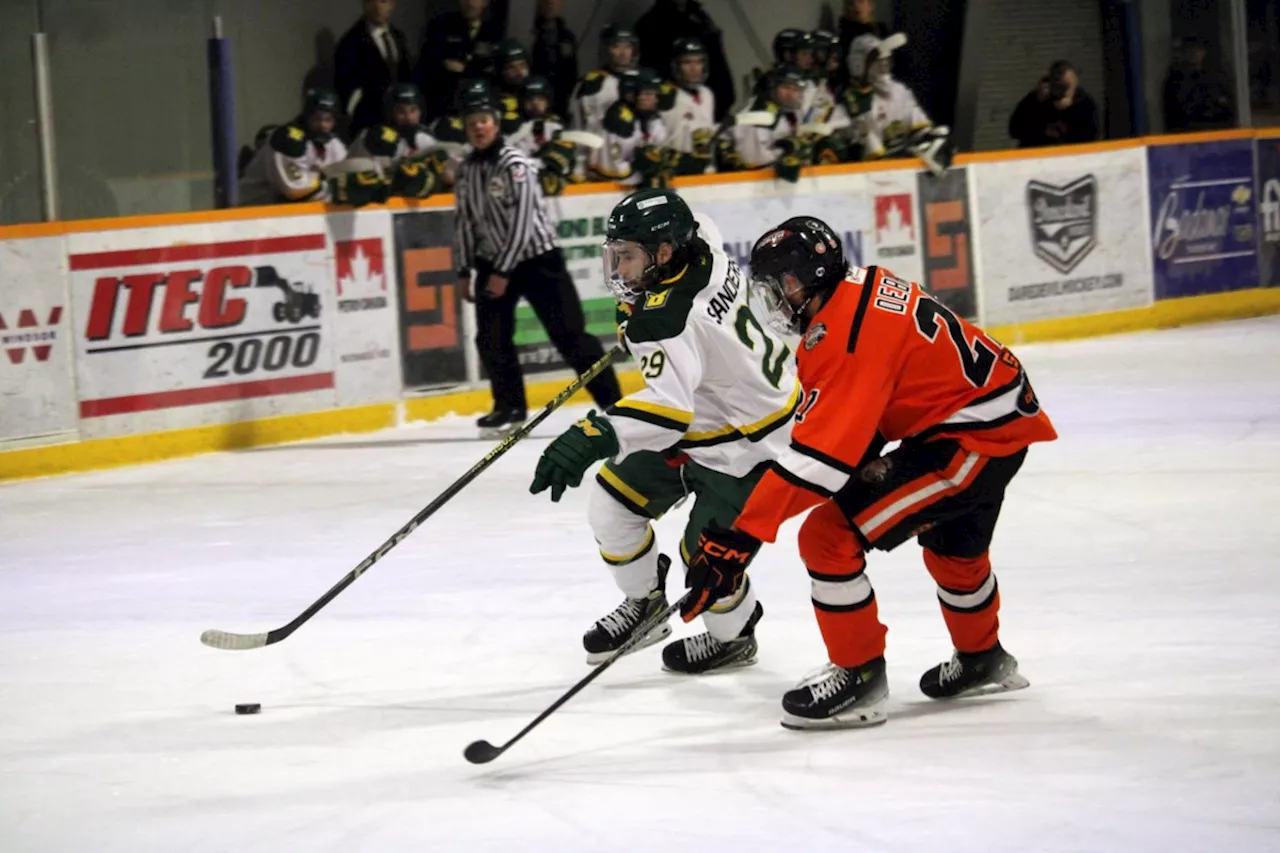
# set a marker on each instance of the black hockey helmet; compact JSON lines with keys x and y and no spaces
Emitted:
{"x":401,"y":93}
{"x":633,"y":84}
{"x":684,"y":48}
{"x":613,"y":35}
{"x":321,"y":99}
{"x":641,"y":223}
{"x":826,"y":48}
{"x":475,"y":95}
{"x":802,"y":256}
{"x":536,"y":87}
{"x":786,"y":75}
{"x":509,"y":53}
{"x":788,"y":45}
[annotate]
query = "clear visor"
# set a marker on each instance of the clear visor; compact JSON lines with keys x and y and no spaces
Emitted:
{"x":768,"y":295}
{"x":626,"y":265}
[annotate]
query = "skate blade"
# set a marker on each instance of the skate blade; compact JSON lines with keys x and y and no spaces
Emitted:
{"x":724,"y":667}
{"x":1013,"y":681}
{"x":656,"y":635}
{"x":494,"y":433}
{"x":864,"y":717}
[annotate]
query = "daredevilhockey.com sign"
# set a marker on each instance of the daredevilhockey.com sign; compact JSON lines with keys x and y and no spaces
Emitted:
{"x":193,"y":324}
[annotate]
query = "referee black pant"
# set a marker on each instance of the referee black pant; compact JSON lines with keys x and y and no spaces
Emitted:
{"x":545,"y":282}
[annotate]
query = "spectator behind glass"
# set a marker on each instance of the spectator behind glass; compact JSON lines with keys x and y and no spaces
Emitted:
{"x":858,"y":18}
{"x":1195,"y":98}
{"x":452,"y":42}
{"x":1057,"y":112}
{"x":555,"y":53}
{"x":369,"y":58}
{"x":670,"y":20}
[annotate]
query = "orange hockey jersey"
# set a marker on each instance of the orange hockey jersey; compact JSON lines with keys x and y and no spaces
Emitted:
{"x":884,"y":358}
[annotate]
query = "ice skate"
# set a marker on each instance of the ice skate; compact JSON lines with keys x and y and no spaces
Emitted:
{"x":838,"y":697}
{"x":634,"y":614}
{"x":501,"y":422}
{"x":703,"y":653}
{"x":973,"y":674}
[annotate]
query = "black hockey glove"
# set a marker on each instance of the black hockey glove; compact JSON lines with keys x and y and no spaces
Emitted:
{"x":558,"y":157}
{"x":716,"y":568}
{"x":569,"y":456}
{"x":414,"y":179}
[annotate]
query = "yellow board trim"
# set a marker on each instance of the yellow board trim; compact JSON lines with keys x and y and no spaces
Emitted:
{"x":677,"y":415}
{"x":96,"y":454}
{"x":623,"y":489}
{"x":1207,"y":308}
{"x":101,"y":453}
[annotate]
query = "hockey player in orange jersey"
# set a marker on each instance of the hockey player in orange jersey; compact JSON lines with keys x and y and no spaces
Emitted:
{"x":880,"y":360}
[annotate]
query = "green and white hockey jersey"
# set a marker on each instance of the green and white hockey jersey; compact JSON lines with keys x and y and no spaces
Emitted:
{"x":719,"y":385}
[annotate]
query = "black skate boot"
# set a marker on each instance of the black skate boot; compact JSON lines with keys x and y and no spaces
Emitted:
{"x":838,"y":698}
{"x":704,"y":653}
{"x":973,"y":674}
{"x":501,"y":422}
{"x":607,"y":635}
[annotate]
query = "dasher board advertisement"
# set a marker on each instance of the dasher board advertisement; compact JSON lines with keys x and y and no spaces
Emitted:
{"x":1204,"y":236}
{"x":1062,"y":236}
{"x":37,"y":393}
{"x":197,"y":325}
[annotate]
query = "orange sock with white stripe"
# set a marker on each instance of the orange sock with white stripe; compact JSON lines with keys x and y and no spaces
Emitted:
{"x":969,"y":598}
{"x":843,"y":600}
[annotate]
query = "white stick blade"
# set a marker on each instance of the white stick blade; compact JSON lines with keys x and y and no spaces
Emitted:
{"x":583,"y":138}
{"x":233,"y":642}
{"x":756,"y":118}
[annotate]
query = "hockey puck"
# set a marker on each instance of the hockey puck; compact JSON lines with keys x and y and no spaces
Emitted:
{"x":248,"y":708}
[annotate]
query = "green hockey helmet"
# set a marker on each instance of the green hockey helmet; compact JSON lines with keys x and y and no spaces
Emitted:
{"x":638,"y":228}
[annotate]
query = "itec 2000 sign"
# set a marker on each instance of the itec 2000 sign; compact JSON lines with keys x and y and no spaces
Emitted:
{"x":174,"y":334}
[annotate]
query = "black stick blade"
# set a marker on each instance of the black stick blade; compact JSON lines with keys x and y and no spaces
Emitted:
{"x":481,"y":752}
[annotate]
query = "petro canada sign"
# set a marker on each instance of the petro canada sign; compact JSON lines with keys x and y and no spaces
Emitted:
{"x":895,"y":225}
{"x":199,"y":323}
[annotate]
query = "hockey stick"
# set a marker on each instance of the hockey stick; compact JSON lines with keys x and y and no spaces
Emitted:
{"x":482,"y":752}
{"x":236,"y":642}
{"x":583,"y":138}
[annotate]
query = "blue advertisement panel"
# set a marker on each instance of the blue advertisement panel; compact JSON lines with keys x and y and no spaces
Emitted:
{"x":1203,"y":217}
{"x":1268,"y":194}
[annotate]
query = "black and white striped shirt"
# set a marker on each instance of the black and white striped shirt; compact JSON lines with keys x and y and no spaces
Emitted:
{"x":502,"y":215}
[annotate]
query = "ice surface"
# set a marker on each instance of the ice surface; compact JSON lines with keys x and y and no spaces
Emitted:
{"x":1138,"y":568}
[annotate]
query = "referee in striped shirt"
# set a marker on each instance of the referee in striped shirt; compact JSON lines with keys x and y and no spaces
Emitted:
{"x":505,"y":235}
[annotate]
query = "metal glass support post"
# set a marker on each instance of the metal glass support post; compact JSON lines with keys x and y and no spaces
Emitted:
{"x":44,"y":127}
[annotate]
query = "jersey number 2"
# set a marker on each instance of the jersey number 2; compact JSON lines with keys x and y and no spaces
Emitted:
{"x":977,"y":361}
{"x":746,"y":320}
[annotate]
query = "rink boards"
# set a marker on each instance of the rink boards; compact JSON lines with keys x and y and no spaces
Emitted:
{"x":139,"y":338}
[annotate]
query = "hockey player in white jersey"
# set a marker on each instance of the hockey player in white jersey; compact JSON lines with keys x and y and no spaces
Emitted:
{"x":410,"y":160}
{"x":288,"y":167}
{"x":634,"y":136}
{"x":778,"y":145}
{"x":688,"y":108}
{"x":719,"y":393}
{"x":539,"y":125}
{"x":598,"y":90}
{"x":887,"y":119}
{"x":826,"y":85}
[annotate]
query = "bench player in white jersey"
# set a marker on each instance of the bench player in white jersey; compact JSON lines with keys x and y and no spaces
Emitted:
{"x":778,"y":145}
{"x":888,"y":120}
{"x":716,"y":408}
{"x":598,"y":90}
{"x":634,"y":149}
{"x":688,"y":107}
{"x":288,"y":166}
